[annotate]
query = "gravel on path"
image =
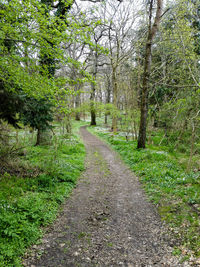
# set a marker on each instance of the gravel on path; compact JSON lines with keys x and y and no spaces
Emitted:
{"x":107,"y":221}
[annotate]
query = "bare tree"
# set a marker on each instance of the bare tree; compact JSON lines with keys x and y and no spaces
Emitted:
{"x":121,"y":18}
{"x":96,"y":53}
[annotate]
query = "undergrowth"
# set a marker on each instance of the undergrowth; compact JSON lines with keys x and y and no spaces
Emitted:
{"x":27,"y":203}
{"x":175,"y":191}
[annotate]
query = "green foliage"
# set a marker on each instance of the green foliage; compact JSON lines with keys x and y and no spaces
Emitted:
{"x":10,"y":104}
{"x":37,"y":113}
{"x":28,"y":203}
{"x":31,"y":33}
{"x":175,"y":191}
{"x":174,"y":97}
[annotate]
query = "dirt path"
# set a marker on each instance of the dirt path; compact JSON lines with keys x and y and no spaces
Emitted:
{"x":106,"y":222}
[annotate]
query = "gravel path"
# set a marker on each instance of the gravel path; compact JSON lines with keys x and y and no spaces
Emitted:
{"x":107,"y":221}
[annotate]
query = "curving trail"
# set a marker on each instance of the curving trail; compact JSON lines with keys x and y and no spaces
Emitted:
{"x":107,"y":221}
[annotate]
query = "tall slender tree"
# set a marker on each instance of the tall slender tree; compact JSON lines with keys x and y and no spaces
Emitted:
{"x":152,"y":29}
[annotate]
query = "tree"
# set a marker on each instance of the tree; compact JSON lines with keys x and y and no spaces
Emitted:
{"x":10,"y":105}
{"x":37,"y":113}
{"x":95,"y":54}
{"x":32,"y":35}
{"x":117,"y":36}
{"x":152,"y":29}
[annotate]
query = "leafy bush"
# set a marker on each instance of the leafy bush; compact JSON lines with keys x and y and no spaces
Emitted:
{"x":26,"y":203}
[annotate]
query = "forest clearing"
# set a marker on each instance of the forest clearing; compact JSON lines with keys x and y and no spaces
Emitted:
{"x":99,"y":133}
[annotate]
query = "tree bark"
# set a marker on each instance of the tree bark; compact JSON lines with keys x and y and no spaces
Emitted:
{"x":77,"y":106}
{"x":107,"y":99}
{"x":38,"y":141}
{"x":147,"y":69}
{"x":92,"y":107}
{"x":92,"y":95}
{"x":114,"y":118}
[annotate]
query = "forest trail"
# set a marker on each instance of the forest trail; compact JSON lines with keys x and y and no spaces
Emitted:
{"x":107,"y":221}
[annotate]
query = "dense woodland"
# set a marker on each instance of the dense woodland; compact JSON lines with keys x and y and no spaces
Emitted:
{"x":135,"y":64}
{"x":130,"y":66}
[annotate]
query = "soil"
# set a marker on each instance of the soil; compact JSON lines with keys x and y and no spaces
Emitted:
{"x":107,"y":221}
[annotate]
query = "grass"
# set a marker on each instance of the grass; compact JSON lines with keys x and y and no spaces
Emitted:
{"x":29,"y":202}
{"x":175,"y":191}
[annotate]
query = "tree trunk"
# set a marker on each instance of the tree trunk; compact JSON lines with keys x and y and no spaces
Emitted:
{"x":107,"y":99}
{"x":77,"y":106}
{"x":38,"y":141}
{"x":106,"y":119}
{"x":147,"y":68}
{"x":92,"y":95}
{"x":78,"y":117}
{"x":114,"y":118}
{"x":93,"y":117}
{"x":92,"y":106}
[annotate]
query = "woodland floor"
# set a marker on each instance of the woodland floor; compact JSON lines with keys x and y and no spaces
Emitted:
{"x":107,"y":221}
